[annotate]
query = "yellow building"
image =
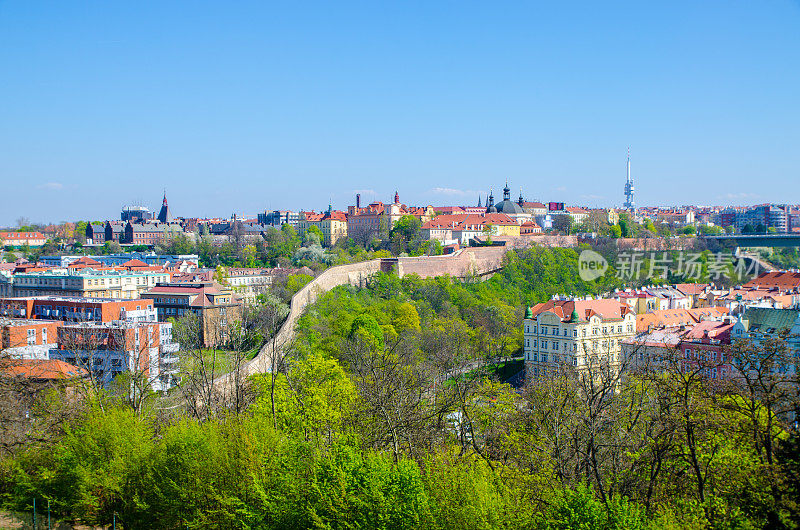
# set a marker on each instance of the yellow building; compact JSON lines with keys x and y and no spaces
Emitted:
{"x":332,"y":224}
{"x":88,"y":283}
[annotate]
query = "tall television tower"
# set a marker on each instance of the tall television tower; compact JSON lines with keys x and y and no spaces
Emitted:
{"x":629,"y":204}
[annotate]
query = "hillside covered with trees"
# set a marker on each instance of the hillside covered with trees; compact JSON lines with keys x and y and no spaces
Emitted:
{"x":386,"y":412}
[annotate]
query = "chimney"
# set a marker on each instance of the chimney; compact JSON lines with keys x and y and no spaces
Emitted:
{"x":358,"y":200}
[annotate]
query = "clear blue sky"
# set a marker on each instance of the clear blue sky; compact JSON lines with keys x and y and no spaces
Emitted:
{"x":239,"y":106}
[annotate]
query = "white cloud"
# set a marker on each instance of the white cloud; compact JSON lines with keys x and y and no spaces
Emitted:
{"x":51,"y":186}
{"x":453,"y":192}
{"x":742,"y":195}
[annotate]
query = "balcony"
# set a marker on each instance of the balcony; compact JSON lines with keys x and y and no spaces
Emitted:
{"x":169,"y":359}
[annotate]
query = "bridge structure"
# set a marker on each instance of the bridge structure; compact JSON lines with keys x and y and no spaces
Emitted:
{"x":756,"y":240}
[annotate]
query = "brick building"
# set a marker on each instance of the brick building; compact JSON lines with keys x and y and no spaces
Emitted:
{"x":216,"y":307}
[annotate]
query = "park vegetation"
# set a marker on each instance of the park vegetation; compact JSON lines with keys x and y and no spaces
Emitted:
{"x":386,"y":411}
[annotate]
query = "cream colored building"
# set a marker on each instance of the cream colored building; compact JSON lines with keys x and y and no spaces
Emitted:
{"x":332,"y":224}
{"x":575,"y":334}
{"x":87,"y":283}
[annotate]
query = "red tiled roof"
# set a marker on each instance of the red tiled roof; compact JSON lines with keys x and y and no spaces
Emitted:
{"x":604,"y":308}
{"x":690,"y":289}
{"x":781,"y":279}
{"x":135,"y":263}
{"x":42,"y":369}
{"x":462,"y":220}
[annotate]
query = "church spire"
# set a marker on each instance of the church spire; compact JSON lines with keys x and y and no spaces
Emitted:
{"x":164,"y":216}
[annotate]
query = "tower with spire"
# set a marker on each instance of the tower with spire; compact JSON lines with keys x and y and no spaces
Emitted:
{"x":629,"y":204}
{"x":164,"y":216}
{"x":490,"y":207}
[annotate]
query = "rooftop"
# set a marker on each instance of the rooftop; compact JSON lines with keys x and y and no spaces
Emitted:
{"x":42,"y":369}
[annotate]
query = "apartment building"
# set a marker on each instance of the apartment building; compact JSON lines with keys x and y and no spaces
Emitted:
{"x":86,"y":283}
{"x":216,"y":307}
{"x":107,"y":349}
{"x":78,"y":309}
{"x":20,"y":239}
{"x":579,"y":334}
{"x":332,"y":224}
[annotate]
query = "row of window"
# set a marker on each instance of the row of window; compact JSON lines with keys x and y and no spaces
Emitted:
{"x":554,"y":345}
{"x":32,"y":336}
{"x":556,"y":331}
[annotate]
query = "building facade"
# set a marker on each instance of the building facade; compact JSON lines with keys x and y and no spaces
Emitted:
{"x":580,"y":335}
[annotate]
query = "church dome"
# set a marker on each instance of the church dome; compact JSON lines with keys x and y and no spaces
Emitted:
{"x":509,"y":207}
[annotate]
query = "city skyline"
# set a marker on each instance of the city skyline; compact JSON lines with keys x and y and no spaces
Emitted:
{"x":251,"y":107}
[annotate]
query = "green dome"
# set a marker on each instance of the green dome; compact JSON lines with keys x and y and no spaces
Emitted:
{"x":528,"y":313}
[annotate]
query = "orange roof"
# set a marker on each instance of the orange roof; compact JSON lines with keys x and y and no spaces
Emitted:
{"x":85,"y":260}
{"x":677,"y":317}
{"x":690,"y":289}
{"x":604,"y":308}
{"x":461,"y":221}
{"x":43,"y":369}
{"x":783,"y":280}
{"x":135,"y":263}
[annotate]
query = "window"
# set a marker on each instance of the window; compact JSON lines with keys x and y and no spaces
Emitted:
{"x":31,"y":336}
{"x":555,"y":345}
{"x":44,"y":335}
{"x":544,"y":344}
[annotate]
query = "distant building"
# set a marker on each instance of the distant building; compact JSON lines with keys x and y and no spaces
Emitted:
{"x":514,"y":210}
{"x":20,"y":239}
{"x":135,"y":214}
{"x":461,"y":228}
{"x":164,"y":215}
{"x":114,"y":260}
{"x":761,"y":217}
{"x":376,"y":219}
{"x":85,"y":283}
{"x":150,"y":234}
{"x":217,"y":307}
{"x":115,"y":232}
{"x":332,"y":224}
{"x":95,"y":233}
{"x":278,"y":218}
{"x":77,"y":309}
{"x":758,"y":324}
